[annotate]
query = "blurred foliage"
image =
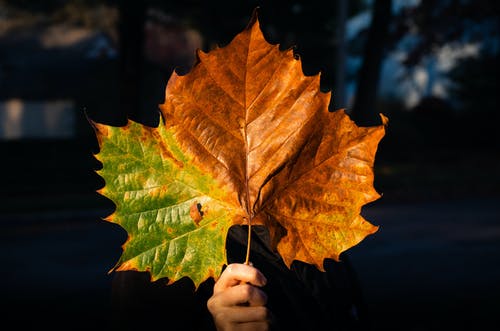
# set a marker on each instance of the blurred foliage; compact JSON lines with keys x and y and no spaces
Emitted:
{"x":89,"y":14}
{"x":49,"y":6}
{"x":439,"y":22}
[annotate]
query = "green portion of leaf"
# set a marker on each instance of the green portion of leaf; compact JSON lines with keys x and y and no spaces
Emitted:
{"x":154,"y":187}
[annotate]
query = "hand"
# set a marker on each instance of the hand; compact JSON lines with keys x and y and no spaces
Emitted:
{"x":237,"y":302}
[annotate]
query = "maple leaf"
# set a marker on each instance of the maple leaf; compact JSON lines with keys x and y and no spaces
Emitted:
{"x":244,"y":138}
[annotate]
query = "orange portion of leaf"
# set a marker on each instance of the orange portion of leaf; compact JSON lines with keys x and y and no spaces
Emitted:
{"x":319,"y":197}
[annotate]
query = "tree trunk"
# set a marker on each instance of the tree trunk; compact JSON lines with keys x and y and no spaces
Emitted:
{"x":131,"y":29}
{"x":339,"y":91}
{"x":364,"y":111}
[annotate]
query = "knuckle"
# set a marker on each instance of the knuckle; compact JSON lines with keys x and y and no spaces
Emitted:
{"x":217,"y":287}
{"x":254,"y":273}
{"x":221,"y":316}
{"x":211,"y":304}
{"x":246,"y":291}
{"x":259,"y":295}
{"x":231,"y":268}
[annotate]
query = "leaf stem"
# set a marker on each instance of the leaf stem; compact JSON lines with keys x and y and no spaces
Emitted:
{"x":247,"y":259}
{"x":247,"y":181}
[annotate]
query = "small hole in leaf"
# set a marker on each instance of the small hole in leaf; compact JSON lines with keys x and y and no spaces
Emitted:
{"x":196,"y":213}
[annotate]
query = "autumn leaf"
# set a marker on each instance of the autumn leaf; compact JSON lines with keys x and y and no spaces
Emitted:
{"x":244,"y":138}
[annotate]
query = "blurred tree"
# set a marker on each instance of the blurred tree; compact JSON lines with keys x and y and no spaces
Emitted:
{"x":430,"y":26}
{"x":473,"y":92}
{"x":131,"y":37}
{"x":341,"y":54}
{"x":364,"y":108}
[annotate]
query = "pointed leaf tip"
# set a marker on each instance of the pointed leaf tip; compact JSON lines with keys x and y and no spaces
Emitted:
{"x":385,"y":119}
{"x":254,"y":18}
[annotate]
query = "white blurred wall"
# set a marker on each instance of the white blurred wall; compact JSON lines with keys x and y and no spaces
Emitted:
{"x":21,"y":119}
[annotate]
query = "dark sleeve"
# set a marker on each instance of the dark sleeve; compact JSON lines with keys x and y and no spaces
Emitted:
{"x":139,"y":304}
{"x":302,"y":297}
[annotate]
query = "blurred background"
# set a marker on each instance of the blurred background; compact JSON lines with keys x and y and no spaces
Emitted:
{"x":430,"y":66}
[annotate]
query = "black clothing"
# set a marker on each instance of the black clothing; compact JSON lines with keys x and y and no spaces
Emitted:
{"x":301,"y":298}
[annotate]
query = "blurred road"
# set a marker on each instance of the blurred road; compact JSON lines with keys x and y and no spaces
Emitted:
{"x":55,"y":269}
{"x":431,"y":266}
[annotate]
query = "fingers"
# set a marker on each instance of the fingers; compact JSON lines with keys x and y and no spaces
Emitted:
{"x":237,"y":314}
{"x":261,"y":326}
{"x":241,"y":294}
{"x":238,"y":273}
